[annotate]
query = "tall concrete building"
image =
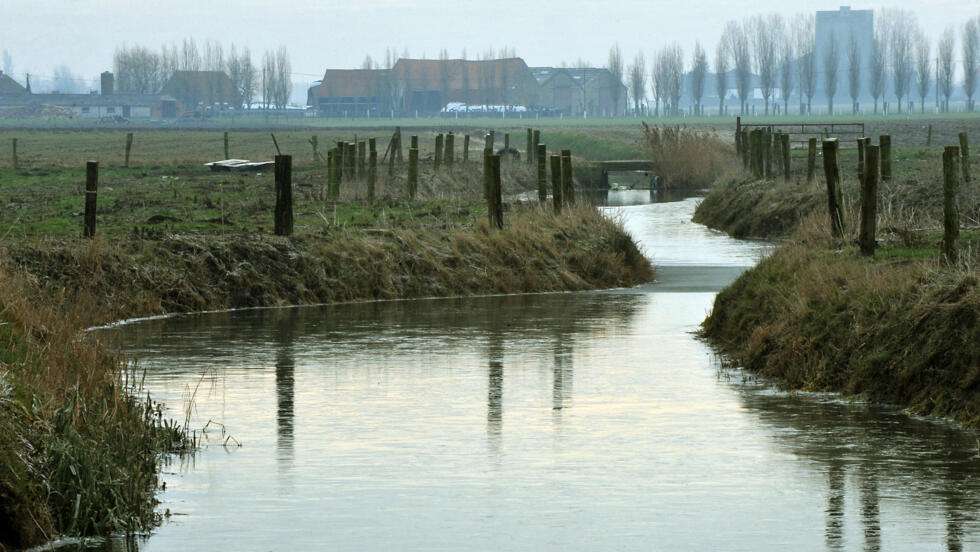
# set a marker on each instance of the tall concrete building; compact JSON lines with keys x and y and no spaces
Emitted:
{"x":842,"y":27}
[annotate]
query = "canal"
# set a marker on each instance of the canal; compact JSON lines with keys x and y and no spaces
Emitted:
{"x":565,"y":421}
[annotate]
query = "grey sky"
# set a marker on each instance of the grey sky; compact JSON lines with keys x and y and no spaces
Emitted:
{"x":42,"y":34}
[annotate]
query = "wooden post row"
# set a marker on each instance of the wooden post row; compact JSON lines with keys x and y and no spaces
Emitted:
{"x":284,"y":195}
{"x":91,"y":197}
{"x":129,"y":146}
{"x":413,"y":170}
{"x":495,"y":208}
{"x":831,"y":167}
{"x":567,"y":186}
{"x":541,"y":155}
{"x":556,"y":182}
{"x":951,"y":213}
{"x":869,"y":201}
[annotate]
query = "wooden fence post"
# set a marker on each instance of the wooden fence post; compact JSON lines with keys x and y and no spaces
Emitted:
{"x":91,"y":196}
{"x":758,"y":153}
{"x":398,"y":143}
{"x":745,"y":149}
{"x":811,"y":160}
{"x":530,"y":146}
{"x":831,"y":167}
{"x":785,"y":150}
{"x":487,"y":175}
{"x":129,"y":146}
{"x":860,"y":167}
{"x":541,"y":159}
{"x":226,"y":146}
{"x":767,"y":152}
{"x":13,"y":153}
{"x":361,"y":159}
{"x":869,"y":201}
{"x":965,"y":156}
{"x":777,"y":151}
{"x":506,"y":141}
{"x":335,"y":172}
{"x":466,"y":148}
{"x":414,"y":142}
{"x":450,"y":156}
{"x":951,"y":214}
{"x":556,"y":182}
{"x":567,"y":185}
{"x":535,"y":141}
{"x":284,"y":195}
{"x":885,"y":154}
{"x":413,"y":172}
{"x":929,"y":136}
{"x":438,"y":155}
{"x":495,"y":208}
{"x":372,"y":173}
{"x":738,"y":135}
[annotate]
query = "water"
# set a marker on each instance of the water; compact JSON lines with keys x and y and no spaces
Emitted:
{"x":568,"y":421}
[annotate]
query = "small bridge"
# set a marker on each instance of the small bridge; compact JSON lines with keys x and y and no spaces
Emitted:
{"x":597,"y":172}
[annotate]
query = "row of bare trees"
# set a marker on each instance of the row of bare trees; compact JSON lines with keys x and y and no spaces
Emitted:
{"x":766,"y":54}
{"x":141,"y":70}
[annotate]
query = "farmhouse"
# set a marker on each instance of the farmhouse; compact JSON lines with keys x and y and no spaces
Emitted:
{"x":427,"y":86}
{"x":207,"y":89}
{"x":9,"y":86}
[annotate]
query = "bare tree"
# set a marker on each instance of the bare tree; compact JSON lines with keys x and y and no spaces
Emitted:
{"x":786,"y":56}
{"x":190,"y":58}
{"x":65,"y":82}
{"x":638,"y":81}
{"x":268,"y":78}
{"x":658,"y":82}
{"x":615,"y":67}
{"x":444,"y":76}
{"x":854,"y":72}
{"x":831,"y":61}
{"x":945,"y":69}
{"x":675,"y":79}
{"x":804,"y":29}
{"x":903,"y":31}
{"x":971,"y":49}
{"x":923,"y":68}
{"x":876,"y":73}
{"x":137,"y":69}
{"x":699,"y":70}
{"x":283,"y":83}
{"x":737,"y":43}
{"x":721,"y":75}
{"x":767,"y":34}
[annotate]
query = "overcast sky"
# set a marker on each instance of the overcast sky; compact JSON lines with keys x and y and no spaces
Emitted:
{"x":42,"y":34}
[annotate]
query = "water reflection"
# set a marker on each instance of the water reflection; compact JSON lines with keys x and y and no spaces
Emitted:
{"x":284,"y":336}
{"x":835,"y":507}
{"x":877,"y":446}
{"x":495,"y":394}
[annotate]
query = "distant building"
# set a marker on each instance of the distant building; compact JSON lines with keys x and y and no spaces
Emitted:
{"x":429,"y":86}
{"x":350,"y":92}
{"x":202,"y":89}
{"x":10,"y":86}
{"x":842,"y":27}
{"x":96,"y":106}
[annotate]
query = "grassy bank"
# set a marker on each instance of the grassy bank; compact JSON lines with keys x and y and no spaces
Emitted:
{"x":899,"y":331}
{"x":900,"y":327}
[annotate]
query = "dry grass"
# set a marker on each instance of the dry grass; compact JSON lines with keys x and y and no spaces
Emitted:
{"x":686,"y":157}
